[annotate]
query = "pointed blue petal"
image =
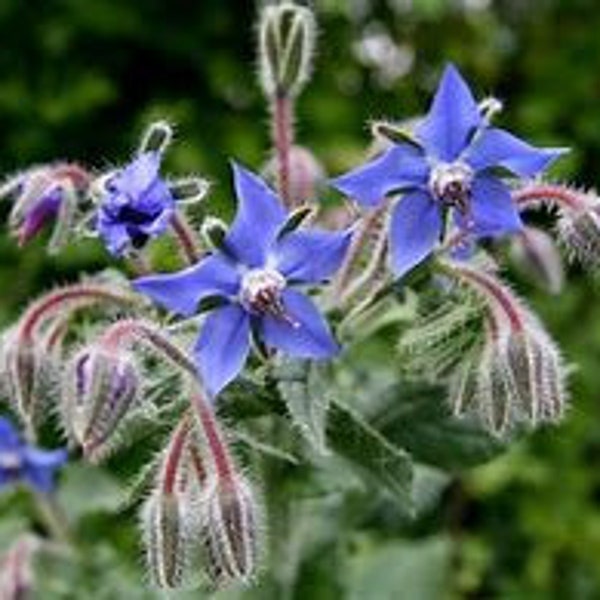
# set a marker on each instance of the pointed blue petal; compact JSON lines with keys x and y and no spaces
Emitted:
{"x":181,"y":292}
{"x":401,"y":167}
{"x":415,"y":228}
{"x":493,"y":212}
{"x":139,"y":174}
{"x":40,"y":466}
{"x":223,"y":346}
{"x":9,"y":437}
{"x":452,"y":118}
{"x":312,"y":255}
{"x":259,"y":217}
{"x":306,"y":336}
{"x":499,"y":148}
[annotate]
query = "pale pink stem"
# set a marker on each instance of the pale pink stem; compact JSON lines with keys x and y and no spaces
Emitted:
{"x":282,"y":140}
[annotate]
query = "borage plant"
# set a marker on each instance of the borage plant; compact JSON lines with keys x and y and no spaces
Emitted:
{"x":296,"y":351}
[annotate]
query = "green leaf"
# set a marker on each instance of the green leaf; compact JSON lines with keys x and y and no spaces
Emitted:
{"x":303,"y":387}
{"x":416,"y":417}
{"x":354,"y":439}
{"x":407,"y":570}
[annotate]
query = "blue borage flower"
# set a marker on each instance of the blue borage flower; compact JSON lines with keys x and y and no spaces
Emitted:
{"x":255,"y":274}
{"x":452,"y":164}
{"x":22,"y":463}
{"x":137,"y":204}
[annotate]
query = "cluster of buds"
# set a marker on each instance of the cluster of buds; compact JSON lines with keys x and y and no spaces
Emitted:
{"x":44,"y":194}
{"x":30,"y":349}
{"x":202,"y":514}
{"x":515,"y":374}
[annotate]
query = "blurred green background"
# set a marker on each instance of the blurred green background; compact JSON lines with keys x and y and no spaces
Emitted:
{"x":80,"y":80}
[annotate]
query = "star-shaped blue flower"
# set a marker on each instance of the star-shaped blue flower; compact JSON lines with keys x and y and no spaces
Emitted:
{"x":137,"y":205}
{"x":452,"y":164}
{"x":21,"y":463}
{"x":255,"y":275}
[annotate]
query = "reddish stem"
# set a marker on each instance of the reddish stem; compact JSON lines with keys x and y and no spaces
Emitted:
{"x":558,"y":194}
{"x":174,"y":455}
{"x":223,"y":463}
{"x":44,"y":307}
{"x":185,"y":238}
{"x":282,"y":140}
{"x":76,"y":173}
{"x":499,"y":293}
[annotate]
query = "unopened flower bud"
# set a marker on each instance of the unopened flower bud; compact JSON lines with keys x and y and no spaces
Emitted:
{"x":231,"y":529}
{"x":100,"y":388}
{"x":28,"y":373}
{"x":535,"y":252}
{"x":165,"y":525}
{"x":286,"y":46}
{"x":305,"y":175}
{"x":16,"y":572}
{"x":579,"y":232}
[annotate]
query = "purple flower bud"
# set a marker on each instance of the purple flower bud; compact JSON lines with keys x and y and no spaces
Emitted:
{"x":16,"y":573}
{"x":535,"y":252}
{"x":305,"y":175}
{"x":100,"y":388}
{"x":232,"y":530}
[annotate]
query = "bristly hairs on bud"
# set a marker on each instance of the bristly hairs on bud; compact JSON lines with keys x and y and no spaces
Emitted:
{"x":517,"y":374}
{"x":157,"y":137}
{"x":214,"y":231}
{"x":286,"y":44}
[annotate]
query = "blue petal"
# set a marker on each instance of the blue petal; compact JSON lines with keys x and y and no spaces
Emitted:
{"x":311,"y":256}
{"x":139,"y":174}
{"x":114,"y":234}
{"x":415,"y":229}
{"x":452,"y":118}
{"x":306,"y":336}
{"x":181,"y":292}
{"x":259,"y":217}
{"x":9,"y":437}
{"x":401,"y":167}
{"x":493,"y":212}
{"x":222,"y":348}
{"x":498,"y":148}
{"x":40,"y":467}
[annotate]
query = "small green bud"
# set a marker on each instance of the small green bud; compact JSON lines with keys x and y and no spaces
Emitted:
{"x":286,"y":46}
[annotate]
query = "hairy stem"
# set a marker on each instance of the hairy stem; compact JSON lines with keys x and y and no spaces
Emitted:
{"x":186,"y":239}
{"x":283,"y":133}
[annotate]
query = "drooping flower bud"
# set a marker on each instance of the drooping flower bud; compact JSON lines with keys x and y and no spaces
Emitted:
{"x":286,"y":46}
{"x":16,"y":572}
{"x":579,"y":232}
{"x":305,"y":175}
{"x":231,"y":528}
{"x":28,"y":373}
{"x":535,"y":252}
{"x":100,"y":388}
{"x":165,"y":525}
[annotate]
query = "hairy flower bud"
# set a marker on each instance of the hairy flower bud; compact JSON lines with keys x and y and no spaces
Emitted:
{"x":305,"y":175}
{"x":579,"y":232}
{"x":231,"y":529}
{"x":165,"y":525}
{"x":535,"y":252}
{"x":28,"y":374}
{"x":286,"y":46}
{"x":16,"y":572}
{"x":100,"y":388}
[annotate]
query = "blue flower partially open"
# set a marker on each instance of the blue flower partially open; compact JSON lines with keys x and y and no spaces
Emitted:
{"x":137,"y":205}
{"x":452,"y":165}
{"x":254,"y":276}
{"x":22,"y":463}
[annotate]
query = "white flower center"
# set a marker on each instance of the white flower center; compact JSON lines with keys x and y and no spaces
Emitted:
{"x":450,"y":183}
{"x":261,"y":291}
